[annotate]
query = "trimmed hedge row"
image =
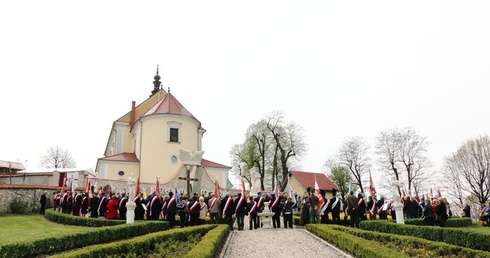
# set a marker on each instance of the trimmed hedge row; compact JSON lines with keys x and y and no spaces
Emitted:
{"x":453,"y":222}
{"x":454,"y":236}
{"x":139,"y":245}
{"x":211,"y":244}
{"x":410,"y":242}
{"x":63,"y":243}
{"x":357,"y":246}
{"x":67,"y":219}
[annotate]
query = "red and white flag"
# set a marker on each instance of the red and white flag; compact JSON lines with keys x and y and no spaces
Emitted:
{"x":243,"y":198}
{"x":321,"y":201}
{"x":372,"y":189}
{"x":157,"y":186}
{"x":138,"y":186}
{"x":89,"y":186}
{"x":216,"y":193}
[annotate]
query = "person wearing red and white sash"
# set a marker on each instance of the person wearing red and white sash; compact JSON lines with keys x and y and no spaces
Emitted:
{"x":122,"y":206}
{"x":371,"y":207}
{"x":260,"y":206}
{"x":84,"y":206}
{"x":252,"y":214}
{"x":214,"y":204}
{"x":203,"y":211}
{"x":382,"y":205}
{"x":361,"y":209}
{"x":193,"y":207}
{"x":228,"y":209}
{"x":139,"y":210}
{"x":240,"y":211}
{"x":171,"y":209}
{"x":155,"y":206}
{"x":77,"y":204}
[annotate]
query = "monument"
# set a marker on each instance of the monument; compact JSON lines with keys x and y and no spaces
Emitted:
{"x":266,"y":215}
{"x":255,"y":180}
{"x":395,"y":184}
{"x":130,"y":205}
{"x":190,"y":159}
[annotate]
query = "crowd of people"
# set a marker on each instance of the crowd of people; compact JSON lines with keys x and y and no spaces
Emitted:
{"x":193,"y":210}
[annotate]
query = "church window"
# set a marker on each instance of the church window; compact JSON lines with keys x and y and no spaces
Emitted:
{"x":174,"y":135}
{"x":173,"y":131}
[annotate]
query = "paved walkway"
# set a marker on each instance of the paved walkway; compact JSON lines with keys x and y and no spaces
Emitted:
{"x":278,"y":243}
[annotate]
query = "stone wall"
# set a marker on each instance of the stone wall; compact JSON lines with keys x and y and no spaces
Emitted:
{"x":28,"y":194}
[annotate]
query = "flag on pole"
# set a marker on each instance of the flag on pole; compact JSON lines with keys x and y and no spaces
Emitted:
{"x":177,"y":195}
{"x":243,"y":198}
{"x":108,"y":189}
{"x":63,"y":188}
{"x":372,"y":189}
{"x":321,"y":200}
{"x":216,"y":194}
{"x":138,"y":186}
{"x":290,"y":190}
{"x":89,"y":186}
{"x":351,"y":188}
{"x":276,"y":193}
{"x":157,"y":186}
{"x":438,"y":192}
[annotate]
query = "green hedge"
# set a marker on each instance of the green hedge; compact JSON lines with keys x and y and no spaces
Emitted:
{"x":67,"y":219}
{"x":138,"y":245}
{"x":453,"y":222}
{"x":211,"y":244}
{"x":410,"y":243}
{"x":357,"y":246}
{"x":455,"y":236}
{"x":63,"y":243}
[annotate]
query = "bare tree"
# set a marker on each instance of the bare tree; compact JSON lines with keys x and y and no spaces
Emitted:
{"x":401,"y":153}
{"x":353,"y":155}
{"x":57,"y":157}
{"x":471,"y":165}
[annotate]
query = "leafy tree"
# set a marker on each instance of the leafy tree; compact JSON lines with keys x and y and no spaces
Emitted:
{"x":470,"y":167}
{"x":353,"y":155}
{"x":340,"y":175}
{"x":57,"y":157}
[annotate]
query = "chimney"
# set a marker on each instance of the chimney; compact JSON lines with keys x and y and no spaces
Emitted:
{"x":132,"y":114}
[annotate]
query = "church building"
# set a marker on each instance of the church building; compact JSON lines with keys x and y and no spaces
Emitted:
{"x":147,"y":143}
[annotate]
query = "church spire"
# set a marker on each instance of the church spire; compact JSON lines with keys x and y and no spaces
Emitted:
{"x":156,"y":83}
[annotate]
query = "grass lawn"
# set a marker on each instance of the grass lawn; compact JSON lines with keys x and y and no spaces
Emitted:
{"x":18,"y":228}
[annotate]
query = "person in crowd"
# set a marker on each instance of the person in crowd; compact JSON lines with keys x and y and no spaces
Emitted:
{"x":260,"y":200}
{"x":466,"y":211}
{"x":361,"y":209}
{"x":276,"y":208}
{"x":164,"y":211}
{"x":352,"y":208}
{"x":57,"y":201}
{"x":155,"y":206}
{"x":314,"y":200}
{"x":112,"y":208}
{"x":252,"y":213}
{"x":203,"y":210}
{"x":324,"y":210}
{"x":240,"y":211}
{"x":429,"y":213}
{"x":485,"y":215}
{"x":139,"y":209}
{"x":94,"y":205}
{"x":299,"y":202}
{"x":441,"y":213}
{"x":228,"y":209}
{"x":287,"y":212}
{"x":334,"y":208}
{"x":103,"y":204}
{"x":371,"y":207}
{"x":182,"y":211}
{"x":410,"y":207}
{"x":213,"y":205}
{"x":122,"y":206}
{"x":85,"y":205}
{"x":383,"y":206}
{"x":193,"y":208}
{"x":305,"y":210}
{"x":43,"y":200}
{"x":171,"y":209}
{"x":77,"y":204}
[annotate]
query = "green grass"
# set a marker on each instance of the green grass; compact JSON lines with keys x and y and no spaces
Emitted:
{"x":19,"y":228}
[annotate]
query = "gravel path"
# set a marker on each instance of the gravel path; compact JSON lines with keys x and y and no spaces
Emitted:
{"x":278,"y":243}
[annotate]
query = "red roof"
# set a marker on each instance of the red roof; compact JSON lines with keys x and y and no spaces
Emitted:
{"x":307,"y":179}
{"x":169,"y":105}
{"x":12,"y":165}
{"x":207,"y":163}
{"x":125,"y":156}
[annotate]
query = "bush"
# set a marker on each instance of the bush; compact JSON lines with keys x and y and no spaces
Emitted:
{"x":17,"y":206}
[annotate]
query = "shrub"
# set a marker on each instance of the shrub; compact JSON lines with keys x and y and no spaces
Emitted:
{"x":17,"y":206}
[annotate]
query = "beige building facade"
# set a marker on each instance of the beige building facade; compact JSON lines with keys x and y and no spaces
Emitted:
{"x":146,"y":141}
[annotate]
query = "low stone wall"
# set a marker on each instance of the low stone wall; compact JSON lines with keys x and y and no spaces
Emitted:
{"x":28,"y":194}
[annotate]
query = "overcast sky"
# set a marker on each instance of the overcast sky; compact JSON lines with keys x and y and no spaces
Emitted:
{"x":336,"y":68}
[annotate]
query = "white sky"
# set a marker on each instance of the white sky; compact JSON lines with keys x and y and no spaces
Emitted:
{"x":336,"y":68}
